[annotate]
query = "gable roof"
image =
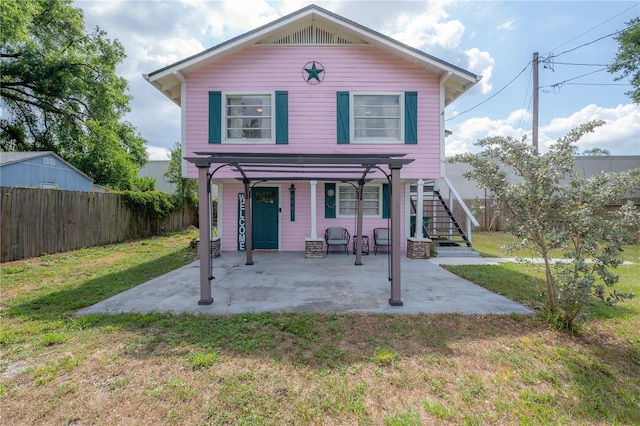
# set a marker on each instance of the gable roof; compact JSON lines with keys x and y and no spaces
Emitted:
{"x":312,"y":25}
{"x":7,"y":158}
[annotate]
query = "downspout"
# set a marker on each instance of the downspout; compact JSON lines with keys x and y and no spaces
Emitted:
{"x":183,"y":119}
{"x":443,"y":78}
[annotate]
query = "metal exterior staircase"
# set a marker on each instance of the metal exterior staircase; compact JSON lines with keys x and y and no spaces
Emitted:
{"x":439,"y":223}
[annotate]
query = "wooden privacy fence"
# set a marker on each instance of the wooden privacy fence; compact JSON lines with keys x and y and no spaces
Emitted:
{"x":41,"y":221}
{"x":492,"y":217}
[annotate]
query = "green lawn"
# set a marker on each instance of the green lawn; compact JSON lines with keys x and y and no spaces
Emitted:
{"x":57,"y":368}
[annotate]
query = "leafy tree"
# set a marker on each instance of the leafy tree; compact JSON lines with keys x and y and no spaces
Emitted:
{"x":594,"y":152}
{"x":550,"y":214}
{"x":144,"y":183}
{"x":627,"y":60}
{"x":60,"y":92}
{"x":186,"y":187}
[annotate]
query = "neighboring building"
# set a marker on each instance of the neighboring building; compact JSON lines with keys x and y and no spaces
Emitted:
{"x":156,"y":169}
{"x":41,"y":169}
{"x":586,"y":166}
{"x":296,"y":115}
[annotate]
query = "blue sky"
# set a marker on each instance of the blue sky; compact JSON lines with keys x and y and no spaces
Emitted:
{"x":495,"y":39}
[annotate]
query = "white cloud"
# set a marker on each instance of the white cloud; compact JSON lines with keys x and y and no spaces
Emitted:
{"x":620,"y":134}
{"x":481,"y":63}
{"x":470,"y":131}
{"x":507,"y":26}
{"x":158,"y":153}
{"x":147,"y":55}
{"x":428,"y":29}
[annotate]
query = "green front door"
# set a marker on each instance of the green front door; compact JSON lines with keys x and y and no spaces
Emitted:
{"x":265,"y":218}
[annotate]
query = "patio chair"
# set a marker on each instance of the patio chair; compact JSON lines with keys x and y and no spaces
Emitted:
{"x":337,"y":237}
{"x":381,"y":238}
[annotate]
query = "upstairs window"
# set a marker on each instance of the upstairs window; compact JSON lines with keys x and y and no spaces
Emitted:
{"x":248,"y":117}
{"x":377,"y":117}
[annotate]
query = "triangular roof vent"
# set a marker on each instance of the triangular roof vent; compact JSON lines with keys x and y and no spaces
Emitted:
{"x":312,"y":33}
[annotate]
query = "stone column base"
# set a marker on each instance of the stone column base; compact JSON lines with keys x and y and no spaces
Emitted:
{"x":215,"y":247}
{"x":418,"y":249}
{"x":313,"y":248}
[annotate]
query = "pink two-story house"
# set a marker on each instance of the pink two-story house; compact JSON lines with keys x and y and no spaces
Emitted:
{"x":314,"y":122}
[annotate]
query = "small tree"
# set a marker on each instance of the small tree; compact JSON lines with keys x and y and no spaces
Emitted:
{"x":185,"y":187}
{"x":554,"y":208}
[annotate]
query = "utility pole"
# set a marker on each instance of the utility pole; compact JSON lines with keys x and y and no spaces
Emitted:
{"x":534,"y":130}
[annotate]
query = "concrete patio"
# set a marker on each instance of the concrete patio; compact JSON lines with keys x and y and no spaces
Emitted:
{"x":287,"y":282}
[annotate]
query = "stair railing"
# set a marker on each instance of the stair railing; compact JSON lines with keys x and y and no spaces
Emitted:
{"x":453,"y":197}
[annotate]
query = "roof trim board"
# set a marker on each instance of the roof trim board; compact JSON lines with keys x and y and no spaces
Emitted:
{"x":168,"y":79}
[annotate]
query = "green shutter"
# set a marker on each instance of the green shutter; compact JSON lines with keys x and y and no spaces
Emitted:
{"x":386,"y":202}
{"x":411,"y":117}
{"x":215,"y":117}
{"x":330,"y":200}
{"x":343,"y":117}
{"x":282,"y":117}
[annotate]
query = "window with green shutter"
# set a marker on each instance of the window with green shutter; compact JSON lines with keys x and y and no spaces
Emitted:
{"x":377,"y":117}
{"x":347,"y":200}
{"x":249,"y":118}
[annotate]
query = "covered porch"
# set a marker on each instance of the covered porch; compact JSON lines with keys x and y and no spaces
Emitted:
{"x":253,"y":168}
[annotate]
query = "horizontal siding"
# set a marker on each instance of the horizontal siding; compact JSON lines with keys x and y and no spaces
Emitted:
{"x":312,"y":108}
{"x":32,"y":173}
{"x":293,"y":234}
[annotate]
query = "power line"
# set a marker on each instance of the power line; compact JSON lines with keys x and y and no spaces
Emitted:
{"x":593,"y":28}
{"x":492,"y":96}
{"x":583,"y":65}
{"x":596,"y":84}
{"x":573,"y":78}
{"x":551,"y":56}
